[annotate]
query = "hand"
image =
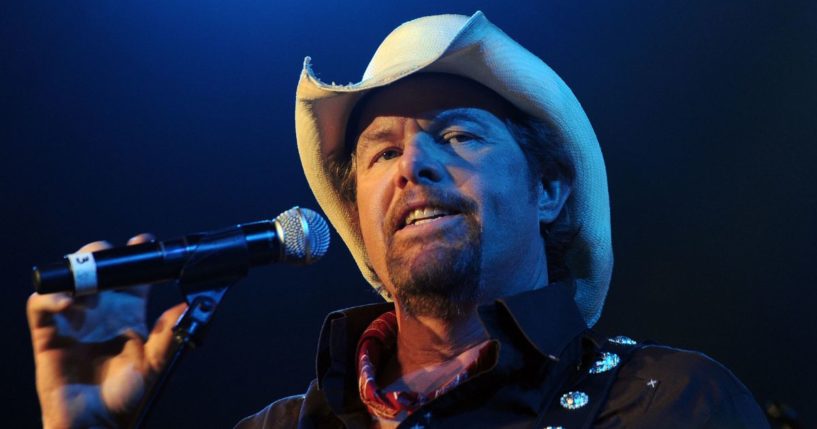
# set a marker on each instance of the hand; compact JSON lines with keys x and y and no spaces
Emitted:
{"x":92,"y":361}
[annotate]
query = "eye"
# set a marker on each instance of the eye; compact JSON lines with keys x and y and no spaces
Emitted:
{"x":457,"y":137}
{"x":386,"y":155}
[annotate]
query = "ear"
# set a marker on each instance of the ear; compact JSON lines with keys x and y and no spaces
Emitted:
{"x":551,"y":197}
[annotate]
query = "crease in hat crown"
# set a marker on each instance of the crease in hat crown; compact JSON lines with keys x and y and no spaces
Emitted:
{"x":474,"y":48}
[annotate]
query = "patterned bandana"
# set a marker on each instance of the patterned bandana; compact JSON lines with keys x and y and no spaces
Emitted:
{"x":376,"y":345}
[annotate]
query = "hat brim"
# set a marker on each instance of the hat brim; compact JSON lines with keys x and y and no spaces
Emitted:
{"x":474,"y":48}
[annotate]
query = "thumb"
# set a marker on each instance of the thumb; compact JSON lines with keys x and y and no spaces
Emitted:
{"x":160,"y":339}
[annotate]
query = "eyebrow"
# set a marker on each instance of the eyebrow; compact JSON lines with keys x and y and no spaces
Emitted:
{"x":372,"y":138}
{"x":438,"y":121}
{"x":382,"y":133}
{"x":470,"y":115}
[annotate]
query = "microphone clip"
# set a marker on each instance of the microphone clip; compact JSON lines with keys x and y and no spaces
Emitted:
{"x":218,"y":261}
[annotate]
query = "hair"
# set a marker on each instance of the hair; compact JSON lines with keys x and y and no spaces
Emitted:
{"x":547,"y":160}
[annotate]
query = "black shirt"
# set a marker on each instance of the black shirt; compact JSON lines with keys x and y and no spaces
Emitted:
{"x":545,"y":350}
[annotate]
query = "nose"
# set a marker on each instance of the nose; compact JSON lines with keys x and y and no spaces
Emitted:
{"x":420,"y":162}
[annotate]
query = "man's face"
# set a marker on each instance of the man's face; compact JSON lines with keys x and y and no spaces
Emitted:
{"x":446,"y":206}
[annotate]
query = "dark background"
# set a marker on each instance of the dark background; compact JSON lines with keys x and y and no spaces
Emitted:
{"x":175,"y":117}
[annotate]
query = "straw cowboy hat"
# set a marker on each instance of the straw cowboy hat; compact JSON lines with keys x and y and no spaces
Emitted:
{"x":474,"y":48}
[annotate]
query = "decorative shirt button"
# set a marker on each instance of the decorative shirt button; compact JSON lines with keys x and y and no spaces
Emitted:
{"x":574,"y":400}
{"x":607,"y":362}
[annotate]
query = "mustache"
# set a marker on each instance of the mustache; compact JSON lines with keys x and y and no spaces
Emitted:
{"x":446,"y":200}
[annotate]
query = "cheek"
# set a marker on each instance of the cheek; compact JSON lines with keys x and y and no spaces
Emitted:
{"x":370,"y":231}
{"x":506,"y":195}
{"x":371,"y":206}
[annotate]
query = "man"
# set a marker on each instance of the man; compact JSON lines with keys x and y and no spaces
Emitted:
{"x":467,"y":182}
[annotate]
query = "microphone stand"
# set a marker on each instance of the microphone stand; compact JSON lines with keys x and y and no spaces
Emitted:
{"x":203,"y":292}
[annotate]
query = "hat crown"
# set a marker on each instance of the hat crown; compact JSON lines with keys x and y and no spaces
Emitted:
{"x":414,"y":43}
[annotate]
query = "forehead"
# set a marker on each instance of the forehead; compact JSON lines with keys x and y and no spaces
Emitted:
{"x":425,"y":96}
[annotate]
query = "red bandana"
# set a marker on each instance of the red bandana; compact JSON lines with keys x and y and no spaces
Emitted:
{"x":376,"y":345}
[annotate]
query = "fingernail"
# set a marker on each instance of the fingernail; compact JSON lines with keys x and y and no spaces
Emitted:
{"x":63,"y":299}
{"x":145,"y":237}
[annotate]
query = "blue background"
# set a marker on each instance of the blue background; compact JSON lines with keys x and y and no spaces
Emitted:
{"x":174,"y":117}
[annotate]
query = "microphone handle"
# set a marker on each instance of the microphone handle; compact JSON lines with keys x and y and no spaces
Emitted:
{"x":157,"y":262}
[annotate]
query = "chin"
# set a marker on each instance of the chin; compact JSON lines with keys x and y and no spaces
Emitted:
{"x":442,"y":282}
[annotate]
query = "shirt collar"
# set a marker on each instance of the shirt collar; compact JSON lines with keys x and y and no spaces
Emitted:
{"x":546,"y":320}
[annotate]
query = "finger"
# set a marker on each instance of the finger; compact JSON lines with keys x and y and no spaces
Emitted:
{"x":95,"y":246}
{"x":41,"y":308}
{"x":144,"y":237}
{"x":158,"y":344}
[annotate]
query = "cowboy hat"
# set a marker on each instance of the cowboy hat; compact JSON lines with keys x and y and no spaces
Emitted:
{"x":474,"y":48}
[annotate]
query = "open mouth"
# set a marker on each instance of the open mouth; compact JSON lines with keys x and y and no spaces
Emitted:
{"x":423,"y":215}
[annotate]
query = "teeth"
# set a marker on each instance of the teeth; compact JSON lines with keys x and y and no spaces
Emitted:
{"x":418,"y":215}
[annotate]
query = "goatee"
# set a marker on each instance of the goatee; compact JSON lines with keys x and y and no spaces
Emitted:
{"x":441,"y":277}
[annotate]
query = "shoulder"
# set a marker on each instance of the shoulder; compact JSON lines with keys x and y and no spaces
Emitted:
{"x":280,"y":414}
{"x":681,"y":388}
{"x":682,"y":369}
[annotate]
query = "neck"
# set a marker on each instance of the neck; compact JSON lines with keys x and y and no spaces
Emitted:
{"x":424,"y":342}
{"x":506,"y":279}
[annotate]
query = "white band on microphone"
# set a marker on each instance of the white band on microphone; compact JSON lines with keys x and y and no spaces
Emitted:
{"x":83,"y":267}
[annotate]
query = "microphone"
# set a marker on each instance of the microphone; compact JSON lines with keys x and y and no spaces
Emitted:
{"x":297,"y":236}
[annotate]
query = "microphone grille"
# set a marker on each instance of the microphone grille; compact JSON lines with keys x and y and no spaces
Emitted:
{"x":304,"y":235}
